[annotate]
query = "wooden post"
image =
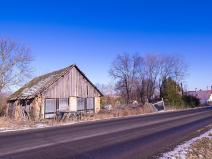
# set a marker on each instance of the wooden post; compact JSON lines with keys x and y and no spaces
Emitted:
{"x":7,"y":108}
{"x":36,"y":106}
{"x":42,"y":106}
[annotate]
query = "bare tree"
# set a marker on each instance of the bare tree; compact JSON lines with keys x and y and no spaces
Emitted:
{"x":140,"y":80}
{"x":173,"y":67}
{"x":151,"y":70}
{"x":106,"y":89}
{"x":123,"y":70}
{"x":15,"y":60}
{"x":140,"y":77}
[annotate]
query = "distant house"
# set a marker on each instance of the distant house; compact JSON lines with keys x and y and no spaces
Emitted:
{"x":205,"y":96}
{"x":210,"y":100}
{"x":67,"y":89}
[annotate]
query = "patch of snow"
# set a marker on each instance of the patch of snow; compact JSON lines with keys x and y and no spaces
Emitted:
{"x":24,"y":127}
{"x":162,"y":111}
{"x":13,"y":129}
{"x":41,"y":125}
{"x":182,"y":150}
{"x":2,"y":129}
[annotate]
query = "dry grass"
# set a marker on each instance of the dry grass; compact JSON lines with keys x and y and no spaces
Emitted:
{"x":126,"y":110}
{"x":202,"y":149}
{"x":7,"y":123}
{"x":133,"y":111}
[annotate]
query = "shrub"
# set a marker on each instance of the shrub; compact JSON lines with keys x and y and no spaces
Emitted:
{"x":171,"y":92}
{"x":190,"y":101}
{"x":173,"y":95}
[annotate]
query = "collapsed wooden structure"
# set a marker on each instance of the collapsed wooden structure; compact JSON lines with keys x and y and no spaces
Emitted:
{"x":67,"y":89}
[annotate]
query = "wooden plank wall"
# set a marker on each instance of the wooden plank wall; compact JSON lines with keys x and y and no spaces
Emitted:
{"x":72,"y":84}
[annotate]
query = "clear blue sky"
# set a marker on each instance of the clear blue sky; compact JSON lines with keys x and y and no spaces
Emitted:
{"x":91,"y":33}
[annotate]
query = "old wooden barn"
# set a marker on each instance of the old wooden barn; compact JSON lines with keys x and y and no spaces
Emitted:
{"x":66,"y":90}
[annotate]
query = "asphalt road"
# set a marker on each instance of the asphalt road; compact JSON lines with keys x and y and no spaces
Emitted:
{"x":130,"y":137}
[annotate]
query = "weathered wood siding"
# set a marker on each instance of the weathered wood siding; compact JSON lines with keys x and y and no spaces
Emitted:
{"x":72,"y":84}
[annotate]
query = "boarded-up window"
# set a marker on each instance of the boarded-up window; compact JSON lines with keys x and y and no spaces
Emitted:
{"x":63,"y":104}
{"x":84,"y":104}
{"x":50,"y":108}
{"x":90,"y":103}
{"x":80,"y":104}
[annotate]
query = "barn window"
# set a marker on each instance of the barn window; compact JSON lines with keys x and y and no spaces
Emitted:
{"x":55,"y":104}
{"x":90,"y":103}
{"x":80,"y":104}
{"x":50,"y":108}
{"x":63,"y":104}
{"x":85,"y":104}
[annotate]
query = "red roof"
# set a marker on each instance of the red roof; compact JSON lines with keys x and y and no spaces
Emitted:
{"x":201,"y":94}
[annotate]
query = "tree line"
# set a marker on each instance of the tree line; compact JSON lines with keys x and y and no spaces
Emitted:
{"x":144,"y":78}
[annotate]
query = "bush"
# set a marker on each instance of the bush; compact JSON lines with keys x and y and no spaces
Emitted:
{"x":173,"y":95}
{"x":190,"y":101}
{"x":171,"y":92}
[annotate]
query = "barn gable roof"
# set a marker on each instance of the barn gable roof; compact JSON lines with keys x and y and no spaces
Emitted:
{"x":41,"y":83}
